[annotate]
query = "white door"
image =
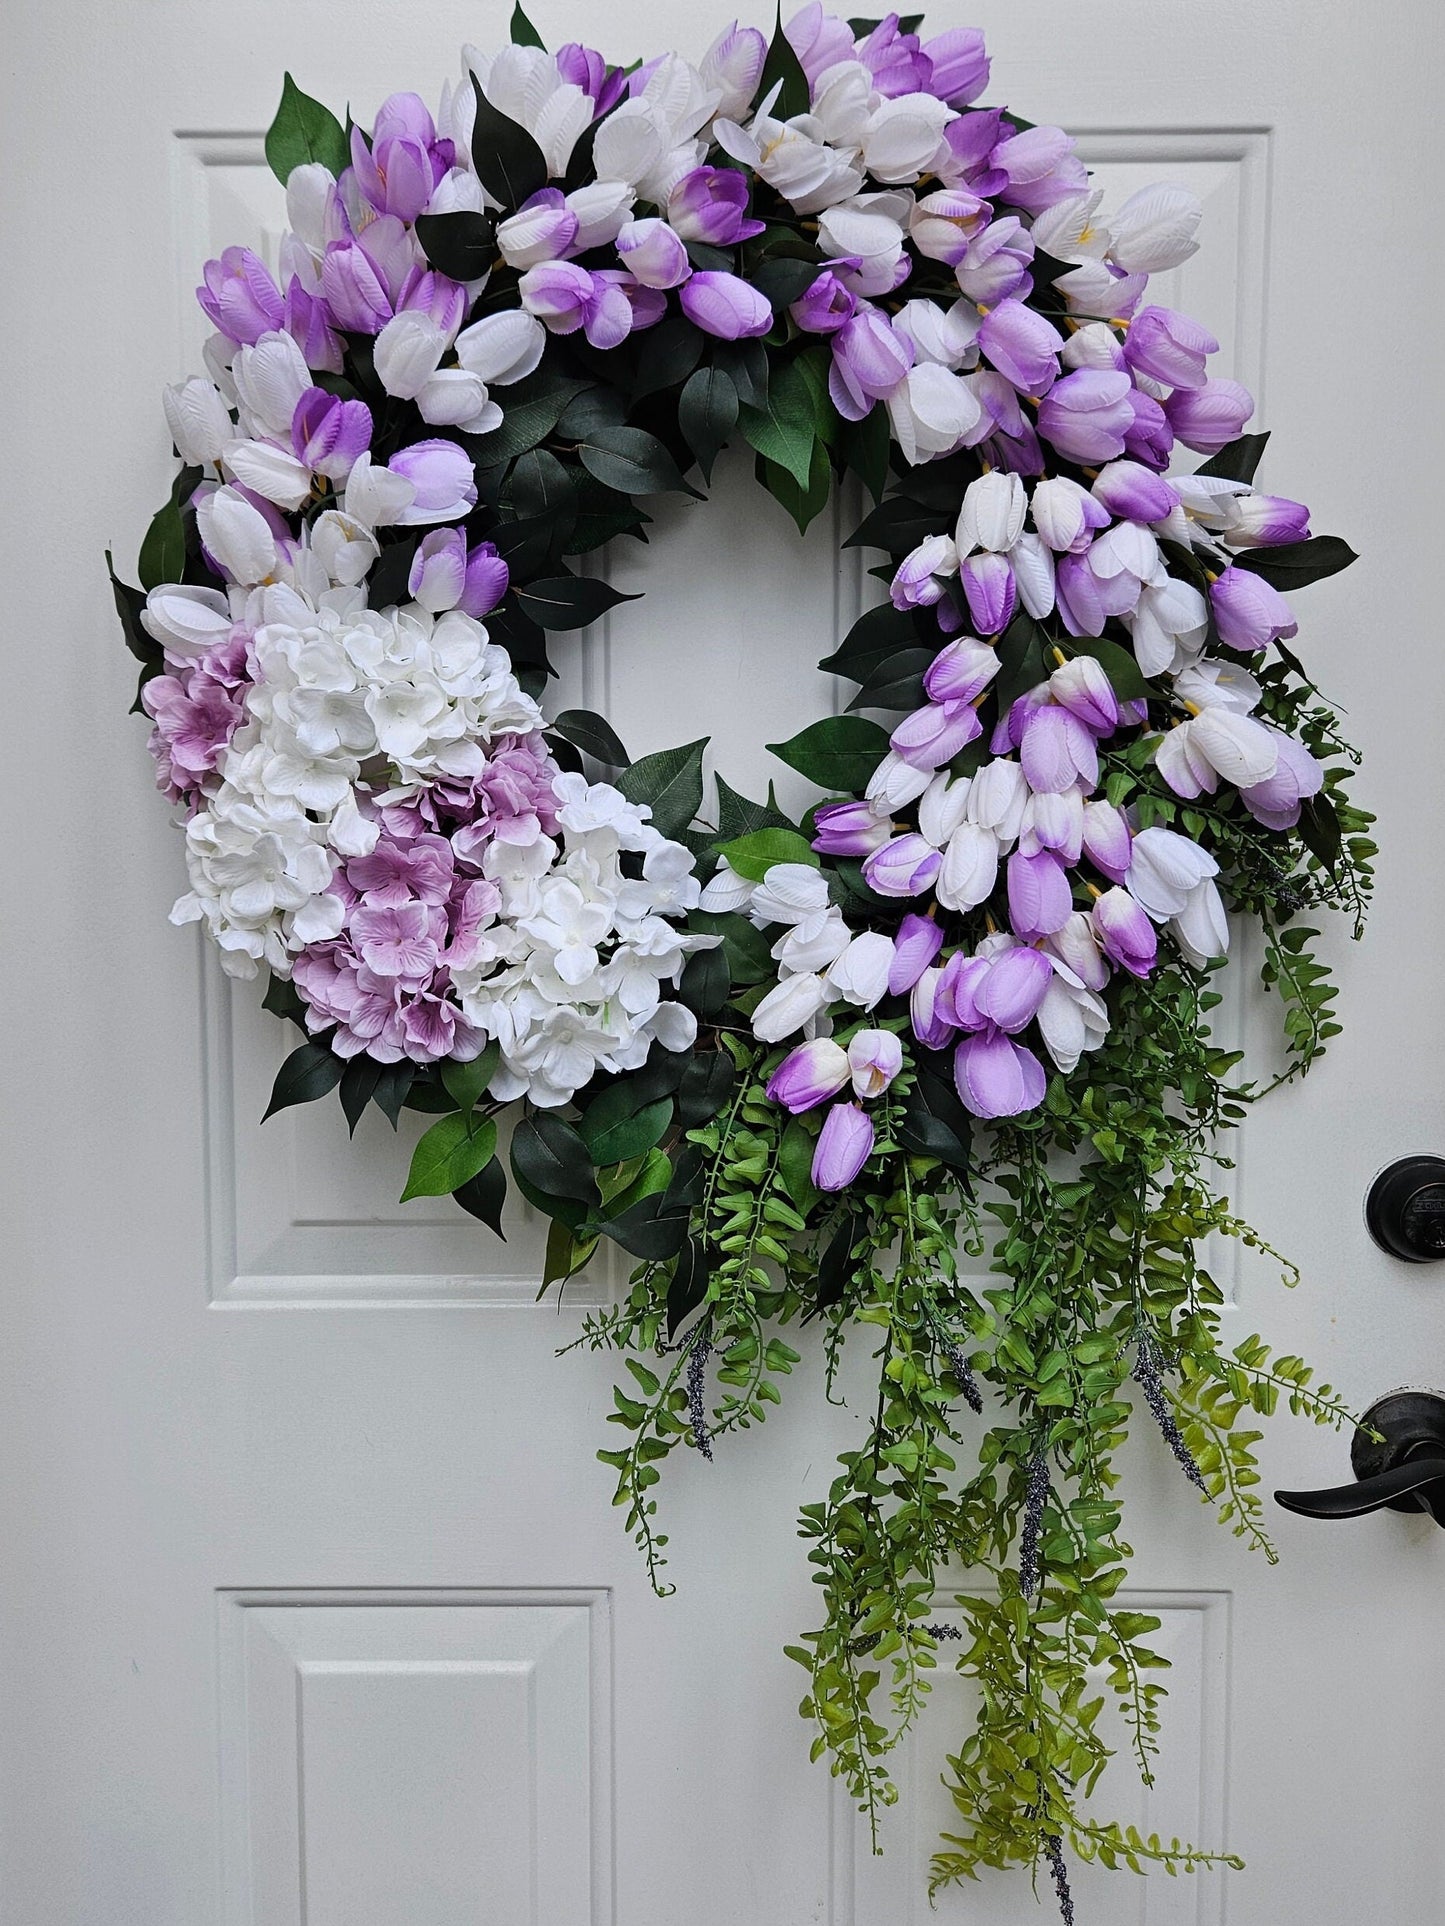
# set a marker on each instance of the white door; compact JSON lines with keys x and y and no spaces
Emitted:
{"x":314,"y":1607}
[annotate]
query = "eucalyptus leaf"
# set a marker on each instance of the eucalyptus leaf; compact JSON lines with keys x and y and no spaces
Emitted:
{"x":631,"y":461}
{"x":707,"y":413}
{"x":484,"y":1195}
{"x":706,"y":1085}
{"x":705,"y":982}
{"x":687,"y":1287}
{"x":745,"y":947}
{"x":523,"y":33}
{"x":509,"y":163}
{"x":548,"y":1154}
{"x":1238,"y":461}
{"x":614,"y":1128}
{"x":785,"y":430}
{"x":530,"y":413}
{"x":1294,"y":565}
{"x":460,"y":244}
{"x":163,"y":552}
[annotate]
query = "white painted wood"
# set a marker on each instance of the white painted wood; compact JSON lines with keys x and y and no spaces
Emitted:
{"x":268,"y":1439}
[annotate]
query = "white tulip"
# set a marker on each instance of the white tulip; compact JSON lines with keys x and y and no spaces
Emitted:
{"x":726,"y":890}
{"x":860,"y":974}
{"x":970,"y":868}
{"x":1202,"y":929}
{"x":996,"y":798}
{"x":602,"y":208}
{"x":406,"y":353}
{"x":944,"y":335}
{"x":903,"y":135}
{"x":992,"y":515}
{"x":870,"y":229}
{"x":184,"y":620}
{"x":941,"y":807}
{"x":790,"y":893}
{"x":271,"y":376}
{"x":1068,"y":232}
{"x":237,"y":534}
{"x":788,"y":1006}
{"x":932,"y":412}
{"x":199,"y":420}
{"x":501,"y":348}
{"x":376,"y":497}
{"x":1155,"y":229}
{"x":1071,"y":1020}
{"x":344,"y":548}
{"x":896,"y":783}
{"x":1164,"y":869}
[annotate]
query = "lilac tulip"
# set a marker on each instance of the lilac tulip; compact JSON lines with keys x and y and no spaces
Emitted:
{"x":1041,"y":168}
{"x":895,"y":59}
{"x":961,"y":671}
{"x":1249,"y":611}
{"x":1135,"y":493}
{"x":559,"y":293}
{"x":917,"y":581}
{"x":869,"y":361}
{"x":845,"y":1144}
{"x":438,"y":575}
{"x":990,"y":590}
{"x":874,"y":1057}
{"x":1054,"y":820}
{"x":544,"y":228}
{"x":930,"y":1025}
{"x":848,"y":829}
{"x":934,"y":734}
{"x":1008,"y":994}
{"x":424,"y":291}
{"x":355,"y":289}
{"x":1077,"y":947}
{"x":959,"y":65}
{"x":1169,"y":347}
{"x":996,"y":1077}
{"x":442,"y":476}
{"x":1082,"y":688}
{"x":646,"y":306}
{"x":725,"y":306}
{"x":1275,"y":802}
{"x":906,"y":866}
{"x":711,"y":204}
{"x":329,"y":434}
{"x":239,"y":297}
{"x":1263,"y":521}
{"x":819,"y":39}
{"x":584,"y":67}
{"x":1107,"y":841}
{"x":396,"y":173}
{"x":1022,"y":346}
{"x":1124,"y":932}
{"x":1066,"y":515}
{"x":307,"y":319}
{"x":1209,"y":417}
{"x":1056,"y":750}
{"x":809,"y":1075}
{"x":970,"y":142}
{"x":733,"y":66}
{"x":953,"y":1000}
{"x":653,"y":254}
{"x":1086,"y":415}
{"x":998,"y":261}
{"x":917,"y":943}
{"x":1149,"y":437}
{"x":825,"y":305}
{"x":487,"y":580}
{"x":1039,"y":898}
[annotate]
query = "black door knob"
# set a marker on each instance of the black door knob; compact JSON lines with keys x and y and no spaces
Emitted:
{"x":1405,"y":1209}
{"x":1398,"y":1455}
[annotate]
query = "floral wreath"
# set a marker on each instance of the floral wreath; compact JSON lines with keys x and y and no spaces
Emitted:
{"x":774,"y":1060}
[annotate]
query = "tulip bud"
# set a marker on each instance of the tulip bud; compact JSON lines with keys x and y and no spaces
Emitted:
{"x":543,"y":228}
{"x":845,"y":1144}
{"x":934,"y":734}
{"x":653,"y":254}
{"x":199,"y":420}
{"x":906,"y":866}
{"x":918,"y":941}
{"x":1169,"y":347}
{"x":1210,"y":416}
{"x":961,"y":671}
{"x":996,"y":1077}
{"x":1082,"y":687}
{"x":809,"y":1075}
{"x":874,"y":1057}
{"x":942,"y":807}
{"x":725,"y":306}
{"x":1012,"y":988}
{"x":1086,"y":415}
{"x":1125,"y":933}
{"x":990,"y":590}
{"x":1276,"y":801}
{"x":970,"y":868}
{"x":1249,"y":611}
{"x":1039,"y":899}
{"x":329,"y":434}
{"x":789,"y":893}
{"x":860,"y":974}
{"x":788,"y":1006}
{"x":931,"y":1027}
{"x":1106,"y":839}
{"x":710,"y":204}
{"x":848,"y":829}
{"x":825,"y":305}
{"x":441,"y":474}
{"x":487,"y":580}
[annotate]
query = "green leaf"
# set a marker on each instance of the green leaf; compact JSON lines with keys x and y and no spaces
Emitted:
{"x":532,"y":411}
{"x":739,"y":816}
{"x":897,"y":526}
{"x":594,"y":734}
{"x":706,"y":1085}
{"x":542,"y":495}
{"x":877,"y":634}
{"x":631,"y":461}
{"x":865,"y":447}
{"x":707,"y":413}
{"x":483,"y":1196}
{"x":783,"y":280}
{"x":705,"y":982}
{"x":1021,"y":658}
{"x":163,"y":552}
{"x":746,"y":364}
{"x":839,"y":753}
{"x":615,"y":1129}
{"x":304,"y":130}
{"x":128,"y":605}
{"x":835,"y":1266}
{"x":548,"y":1155}
{"x":524,"y":34}
{"x":795,"y":1163}
{"x":1126,"y":678}
{"x":896,"y":683}
{"x":646,"y":1230}
{"x":461,"y":244}
{"x":393,"y":1087}
{"x":450,"y":1154}
{"x":467,"y":1083}
{"x":783,"y":64}
{"x":687,"y":1287}
{"x":754,"y":855}
{"x":509,"y":163}
{"x":569,"y":601}
{"x":785,"y":429}
{"x":358,"y":1083}
{"x":805,"y":504}
{"x":1319,"y":828}
{"x":670,"y":782}
{"x":1294,"y":565}
{"x":309,"y":1072}
{"x":1238,"y":460}
{"x":566,"y":1254}
{"x":671,"y":353}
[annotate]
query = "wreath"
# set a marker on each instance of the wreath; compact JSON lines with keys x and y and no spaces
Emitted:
{"x":797,"y":1070}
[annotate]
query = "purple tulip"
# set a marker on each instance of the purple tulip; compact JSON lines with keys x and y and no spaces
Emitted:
{"x":395,"y":174}
{"x":998,"y":260}
{"x":437,"y":296}
{"x":918,"y":941}
{"x":1041,"y":168}
{"x":1134,"y":493}
{"x":329,"y":434}
{"x":565,"y":297}
{"x":1086,"y":415}
{"x":809,"y":1075}
{"x":996,"y":1077}
{"x":917,"y":582}
{"x":355,"y":288}
{"x":1022,"y":345}
{"x":1275,"y":802}
{"x":487,"y":580}
{"x":442,"y":476}
{"x":306,"y":318}
{"x":819,"y":39}
{"x":971,"y":140}
{"x":653,"y":254}
{"x":726,"y":306}
{"x":1211,"y":416}
{"x":954,"y":999}
{"x":646,"y":306}
{"x":961,"y":671}
{"x":1107,"y":841}
{"x":1039,"y":898}
{"x":874,"y":1057}
{"x":960,"y":66}
{"x":1169,"y":347}
{"x":848,"y":829}
{"x":990,"y":590}
{"x":438,"y":573}
{"x":931,"y":1027}
{"x":584,"y":67}
{"x":1249,"y":611}
{"x":906,"y":866}
{"x":1081,"y":687}
{"x":824,"y":306}
{"x":711,"y":204}
{"x":1263,"y":521}
{"x":1149,"y":437}
{"x":845,"y":1144}
{"x":239,"y":297}
{"x":1009,"y":994}
{"x":869,"y":361}
{"x":1124,"y":932}
{"x":934,"y":734}
{"x":895,"y":59}
{"x":543,"y":228}
{"x":1057,"y":750}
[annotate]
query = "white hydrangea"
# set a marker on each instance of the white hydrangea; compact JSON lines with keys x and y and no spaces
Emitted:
{"x":568,"y":976}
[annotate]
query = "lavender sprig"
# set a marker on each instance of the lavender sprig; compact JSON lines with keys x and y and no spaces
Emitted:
{"x":1147,"y":1377}
{"x":1054,"y":1854}
{"x":697,"y":1359}
{"x":1036,"y":1494}
{"x":963,"y":1371}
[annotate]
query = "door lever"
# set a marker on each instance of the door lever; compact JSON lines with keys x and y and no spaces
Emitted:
{"x":1398,"y":1455}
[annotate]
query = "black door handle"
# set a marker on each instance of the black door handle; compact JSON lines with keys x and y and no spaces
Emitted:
{"x":1398,"y":1456}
